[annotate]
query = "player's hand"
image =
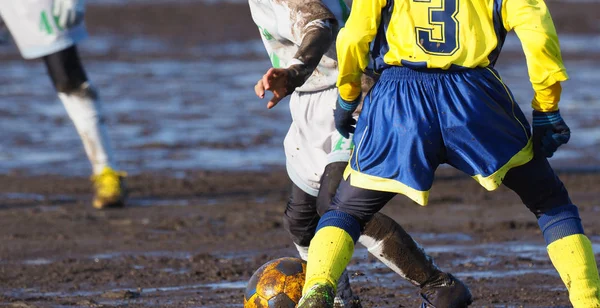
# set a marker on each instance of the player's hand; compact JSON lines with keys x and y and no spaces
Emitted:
{"x":343,"y":116}
{"x":549,"y":132}
{"x":276,"y":81}
{"x":69,"y":13}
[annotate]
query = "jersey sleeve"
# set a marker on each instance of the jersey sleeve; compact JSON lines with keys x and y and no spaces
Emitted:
{"x":353,"y":43}
{"x":531,"y":21}
{"x":300,"y":16}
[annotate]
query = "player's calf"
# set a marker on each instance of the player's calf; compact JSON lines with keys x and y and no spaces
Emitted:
{"x":569,"y":249}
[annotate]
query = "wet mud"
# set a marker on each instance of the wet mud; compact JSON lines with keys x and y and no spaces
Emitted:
{"x":194,"y":241}
{"x":207,"y":181}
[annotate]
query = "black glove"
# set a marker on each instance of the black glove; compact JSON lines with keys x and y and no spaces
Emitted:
{"x":549,"y":132}
{"x":343,"y":116}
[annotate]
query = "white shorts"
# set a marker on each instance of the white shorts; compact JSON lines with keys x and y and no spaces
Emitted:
{"x":34,"y":29}
{"x":312,"y":141}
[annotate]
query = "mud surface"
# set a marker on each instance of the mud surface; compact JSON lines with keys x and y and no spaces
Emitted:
{"x":207,"y":185}
{"x":194,"y":241}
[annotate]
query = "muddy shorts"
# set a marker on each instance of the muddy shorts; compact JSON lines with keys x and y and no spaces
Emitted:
{"x":35,"y":29}
{"x":312,"y":141}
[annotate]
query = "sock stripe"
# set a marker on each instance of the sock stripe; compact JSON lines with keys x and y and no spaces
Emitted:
{"x":560,"y":222}
{"x":341,"y":220}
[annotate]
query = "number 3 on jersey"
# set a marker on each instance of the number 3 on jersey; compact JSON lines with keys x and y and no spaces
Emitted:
{"x":440,"y":35}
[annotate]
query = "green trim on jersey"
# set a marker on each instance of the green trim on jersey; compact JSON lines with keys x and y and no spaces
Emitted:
{"x":345,"y":10}
{"x":275,"y":60}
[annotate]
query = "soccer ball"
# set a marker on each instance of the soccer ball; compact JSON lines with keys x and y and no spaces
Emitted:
{"x":276,"y":284}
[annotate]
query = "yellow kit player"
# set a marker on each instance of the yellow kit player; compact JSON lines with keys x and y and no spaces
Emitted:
{"x":439,"y":100}
{"x":298,"y":36}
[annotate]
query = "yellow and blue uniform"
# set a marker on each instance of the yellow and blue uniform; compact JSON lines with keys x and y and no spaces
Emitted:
{"x":444,"y":37}
{"x":440,"y":100}
{"x":445,"y":34}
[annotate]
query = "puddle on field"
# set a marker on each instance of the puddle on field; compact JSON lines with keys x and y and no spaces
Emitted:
{"x":164,"y":114}
{"x":29,"y":293}
{"x":110,"y":256}
{"x":40,"y":261}
{"x":457,"y":237}
{"x":151,"y":254}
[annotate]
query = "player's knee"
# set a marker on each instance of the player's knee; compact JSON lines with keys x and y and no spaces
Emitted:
{"x":299,"y":232}
{"x":445,"y":291}
{"x":359,"y":203}
{"x":300,"y":217}
{"x":84,"y":90}
{"x":538,"y":186}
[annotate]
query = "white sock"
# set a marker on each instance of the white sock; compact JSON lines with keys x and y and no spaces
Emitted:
{"x":85,"y":111}
{"x":302,"y":251}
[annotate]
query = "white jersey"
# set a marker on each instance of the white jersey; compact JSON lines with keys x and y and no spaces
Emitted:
{"x":35,"y":29}
{"x":281,"y":24}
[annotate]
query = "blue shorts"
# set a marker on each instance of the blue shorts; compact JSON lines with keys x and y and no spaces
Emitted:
{"x":413,"y":121}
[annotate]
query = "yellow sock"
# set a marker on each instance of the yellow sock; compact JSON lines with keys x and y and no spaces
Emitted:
{"x":329,"y":253}
{"x":573,"y":258}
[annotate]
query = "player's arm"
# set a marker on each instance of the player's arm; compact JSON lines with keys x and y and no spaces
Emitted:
{"x":533,"y":24}
{"x":353,"y":43}
{"x":316,"y":34}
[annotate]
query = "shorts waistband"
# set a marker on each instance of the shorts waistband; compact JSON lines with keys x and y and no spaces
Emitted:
{"x":405,"y":73}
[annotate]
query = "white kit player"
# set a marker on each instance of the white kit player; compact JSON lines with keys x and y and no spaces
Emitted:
{"x":298,"y":36}
{"x":50,"y":29}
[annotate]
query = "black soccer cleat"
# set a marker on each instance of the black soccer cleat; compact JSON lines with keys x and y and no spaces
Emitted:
{"x":445,"y":291}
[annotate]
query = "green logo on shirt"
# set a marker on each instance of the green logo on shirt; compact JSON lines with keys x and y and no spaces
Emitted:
{"x":265,"y":33}
{"x":46,"y":26}
{"x":343,"y":144}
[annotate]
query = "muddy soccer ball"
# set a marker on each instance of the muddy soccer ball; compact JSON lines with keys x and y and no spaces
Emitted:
{"x":276,"y":284}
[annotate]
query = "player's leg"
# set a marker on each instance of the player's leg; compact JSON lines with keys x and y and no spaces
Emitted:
{"x":569,"y":249}
{"x":83,"y":106}
{"x":387,"y":139}
{"x":300,"y":220}
{"x":308,"y":149}
{"x":37,"y":33}
{"x":503,"y":153}
{"x":385,"y":239}
{"x":81,"y":101}
{"x":332,"y":247}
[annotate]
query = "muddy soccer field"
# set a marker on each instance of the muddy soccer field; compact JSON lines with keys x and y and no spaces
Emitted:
{"x":207,"y":180}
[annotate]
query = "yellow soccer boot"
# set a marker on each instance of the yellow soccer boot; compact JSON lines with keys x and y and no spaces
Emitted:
{"x":109,"y":188}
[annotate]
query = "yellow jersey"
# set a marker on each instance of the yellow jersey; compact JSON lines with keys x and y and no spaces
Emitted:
{"x":449,"y":35}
